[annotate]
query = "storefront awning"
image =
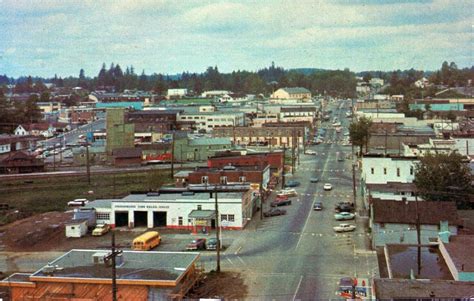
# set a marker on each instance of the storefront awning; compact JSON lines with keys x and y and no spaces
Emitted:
{"x":202,"y":214}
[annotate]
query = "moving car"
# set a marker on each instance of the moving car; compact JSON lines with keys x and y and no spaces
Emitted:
{"x":343,"y":216}
{"x":327,"y":186}
{"x":292,"y":183}
{"x":274,"y":212}
{"x":278,"y":203}
{"x":287,"y":192}
{"x":78,"y":202}
{"x":197,"y":244}
{"x":318,"y":206}
{"x":314,"y":180}
{"x":212,"y":244}
{"x":100,"y":230}
{"x":310,"y":152}
{"x":344,"y":228}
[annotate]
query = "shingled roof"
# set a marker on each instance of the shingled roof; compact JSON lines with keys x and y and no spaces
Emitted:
{"x":296,"y":90}
{"x":399,"y":212}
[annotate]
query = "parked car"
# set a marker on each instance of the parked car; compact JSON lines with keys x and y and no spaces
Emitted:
{"x":78,"y":202}
{"x":197,"y":244}
{"x":344,"y":207}
{"x":343,"y":216}
{"x":212,"y":244}
{"x":274,"y":212}
{"x":344,"y":228}
{"x":278,"y":203}
{"x":292,"y":183}
{"x":314,"y":180}
{"x":282,"y":197}
{"x":100,"y":230}
{"x":318,"y":206}
{"x":287,"y":192}
{"x":310,"y":152}
{"x":327,"y":186}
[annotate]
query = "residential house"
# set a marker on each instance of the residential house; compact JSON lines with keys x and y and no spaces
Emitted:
{"x":36,"y":129}
{"x":214,"y":93}
{"x":20,"y":162}
{"x":233,"y":97}
{"x":376,"y":82}
{"x":292,"y":93}
{"x":394,"y":222}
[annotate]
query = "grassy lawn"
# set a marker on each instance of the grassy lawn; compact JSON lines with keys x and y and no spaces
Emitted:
{"x":51,"y":194}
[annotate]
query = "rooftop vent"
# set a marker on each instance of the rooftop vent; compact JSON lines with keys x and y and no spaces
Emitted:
{"x":187,"y":193}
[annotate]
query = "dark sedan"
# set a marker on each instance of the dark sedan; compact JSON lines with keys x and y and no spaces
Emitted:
{"x":274,"y":212}
{"x":278,"y":203}
{"x":292,"y":183}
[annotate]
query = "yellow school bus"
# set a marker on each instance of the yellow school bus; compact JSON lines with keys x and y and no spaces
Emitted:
{"x":146,"y":241}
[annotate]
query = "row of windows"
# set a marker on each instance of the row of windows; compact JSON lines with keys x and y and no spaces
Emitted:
{"x":222,"y":179}
{"x":372,"y":171}
{"x":224,"y":217}
{"x":103,"y":216}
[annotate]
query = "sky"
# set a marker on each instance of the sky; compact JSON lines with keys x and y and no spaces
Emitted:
{"x":48,"y":37}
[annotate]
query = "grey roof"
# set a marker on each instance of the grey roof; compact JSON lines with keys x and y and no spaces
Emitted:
{"x":137,"y":265}
{"x":175,"y":196}
{"x":182,"y":173}
{"x":202,"y":214}
{"x":102,"y":203}
{"x":296,"y":90}
{"x":460,"y":250}
{"x":403,"y":289}
{"x":210,"y":141}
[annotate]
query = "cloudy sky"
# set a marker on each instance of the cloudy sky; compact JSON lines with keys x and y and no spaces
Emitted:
{"x":46,"y":37}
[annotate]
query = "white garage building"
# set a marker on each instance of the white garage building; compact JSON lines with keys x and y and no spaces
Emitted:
{"x":179,"y":210}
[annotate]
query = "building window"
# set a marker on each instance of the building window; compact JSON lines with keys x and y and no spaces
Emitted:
{"x":228,"y":217}
{"x":223,"y":180}
{"x":205,"y":180}
{"x":411,"y":170}
{"x":384,"y":170}
{"x":398,"y":171}
{"x":104,"y":216}
{"x":372,"y":170}
{"x":199,"y":207}
{"x":180,"y":220}
{"x":242,"y":179}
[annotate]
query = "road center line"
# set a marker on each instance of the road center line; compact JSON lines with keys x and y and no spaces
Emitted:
{"x":238,"y":250}
{"x":297,"y":288}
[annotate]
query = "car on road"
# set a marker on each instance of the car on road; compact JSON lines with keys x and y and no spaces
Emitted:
{"x":327,"y":186}
{"x":197,"y":244}
{"x":287,"y":192}
{"x":100,"y":230}
{"x":343,"y":216}
{"x":278,"y":203}
{"x":282,"y":197}
{"x":212,"y":244}
{"x":318,"y":206}
{"x":314,"y":180}
{"x":292,"y":183}
{"x":344,"y":228}
{"x":310,"y":152}
{"x":78,"y":202}
{"x":274,"y":212}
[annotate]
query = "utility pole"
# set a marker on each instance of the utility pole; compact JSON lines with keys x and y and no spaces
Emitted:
{"x":298,"y":147}
{"x":354,"y":194}
{"x":218,"y":232}
{"x":418,"y":238}
{"x":112,"y":256}
{"x":172,"y":157}
{"x":467,"y":148}
{"x":261,"y":197}
{"x":88,"y":170}
{"x":283,"y":167}
{"x":54,"y":157}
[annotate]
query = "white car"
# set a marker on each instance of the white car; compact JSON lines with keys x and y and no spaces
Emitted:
{"x":78,"y":202}
{"x":310,"y":152}
{"x":344,"y":228}
{"x":287,"y":192}
{"x":327,"y":186}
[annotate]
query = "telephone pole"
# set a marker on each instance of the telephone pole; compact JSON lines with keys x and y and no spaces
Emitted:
{"x":418,"y":238}
{"x":172,"y":157}
{"x":283,"y":167}
{"x":112,"y":256}
{"x":218,"y":232}
{"x":88,"y":169}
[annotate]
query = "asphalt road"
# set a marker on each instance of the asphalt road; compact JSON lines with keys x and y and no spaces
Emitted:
{"x":298,"y":256}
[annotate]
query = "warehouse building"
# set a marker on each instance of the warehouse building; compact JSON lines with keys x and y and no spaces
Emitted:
{"x":193,"y":210}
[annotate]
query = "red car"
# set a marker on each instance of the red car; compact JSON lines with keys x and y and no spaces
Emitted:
{"x":197,"y":244}
{"x":281,"y":197}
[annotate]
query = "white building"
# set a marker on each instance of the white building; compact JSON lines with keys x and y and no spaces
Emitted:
{"x":215,"y":93}
{"x":377,"y":169}
{"x":434,"y":146}
{"x":76,"y":228}
{"x":206,"y":121}
{"x":376,"y":81}
{"x":177,"y":93}
{"x":179,"y":210}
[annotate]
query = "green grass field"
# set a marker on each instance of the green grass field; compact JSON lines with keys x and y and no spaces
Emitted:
{"x":52,"y":194}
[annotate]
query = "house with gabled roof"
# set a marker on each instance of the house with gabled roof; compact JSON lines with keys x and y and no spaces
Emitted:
{"x":292,"y":93}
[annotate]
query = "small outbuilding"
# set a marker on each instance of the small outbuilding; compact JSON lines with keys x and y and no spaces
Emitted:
{"x":76,"y":228}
